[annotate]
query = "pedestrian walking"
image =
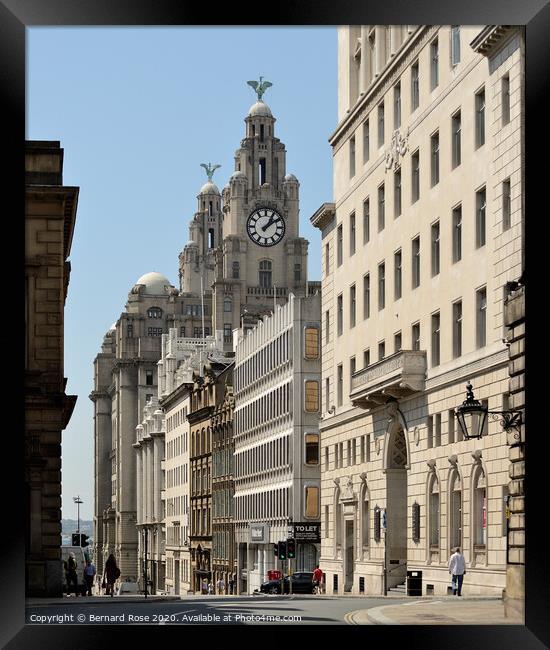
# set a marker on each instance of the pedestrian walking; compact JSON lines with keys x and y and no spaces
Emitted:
{"x":317,"y":579}
{"x":89,"y":575}
{"x":230,"y":583}
{"x":204,"y":586}
{"x":457,"y":569}
{"x":72,"y":578}
{"x":210,"y":588}
{"x":221,"y":586}
{"x":112,"y":573}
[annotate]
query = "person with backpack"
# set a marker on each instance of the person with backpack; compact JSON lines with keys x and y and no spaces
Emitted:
{"x":112,"y":573}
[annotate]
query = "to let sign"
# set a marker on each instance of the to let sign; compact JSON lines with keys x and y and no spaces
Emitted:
{"x":306,"y":532}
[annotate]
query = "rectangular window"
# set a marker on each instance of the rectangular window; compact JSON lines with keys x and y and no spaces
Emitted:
{"x":481,"y":206}
{"x":381,"y":350}
{"x":381,"y":208}
{"x":148,"y":377}
{"x":327,"y":326}
{"x":456,"y":127}
{"x":381,"y":286}
{"x":415,"y":335}
{"x":366,"y":141}
{"x":312,"y":448}
{"x":457,"y":329}
{"x":397,"y":342}
{"x":506,"y":204}
{"x":415,"y":180}
{"x":366,"y":296}
{"x":154,"y":331}
{"x":416,"y":262}
{"x":227,"y":330}
{"x":397,"y":193}
{"x":455,"y":44}
{"x":397,"y":106}
{"x":312,"y":502}
{"x":451,"y":424}
{"x":311,"y":343}
{"x":438,"y":430}
{"x":505,"y":99}
{"x":480,"y":118}
{"x":327,"y":259}
{"x":366,"y":358}
{"x":481,"y":317}
{"x":352,"y":306}
{"x":415,"y":86}
{"x":380,"y":124}
{"x":397,"y":274}
{"x":457,"y":233}
{"x":327,"y":400}
{"x":297,"y":273}
{"x":130,"y":330}
{"x":434,"y":64}
{"x":340,"y":314}
{"x":352,"y":157}
{"x":352,"y":368}
{"x":435,"y":248}
{"x":311,"y":396}
{"x":352,"y":233}
{"x":366,"y":221}
{"x":339,"y":244}
{"x":435,"y":339}
{"x":434,"y":141}
{"x":340,"y":384}
{"x":430,"y":431}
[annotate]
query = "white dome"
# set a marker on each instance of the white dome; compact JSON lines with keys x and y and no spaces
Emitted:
{"x":259,"y":109}
{"x":291,"y":177}
{"x":237,"y":176}
{"x":155,"y":284}
{"x":209,"y":188}
{"x":113,"y":327}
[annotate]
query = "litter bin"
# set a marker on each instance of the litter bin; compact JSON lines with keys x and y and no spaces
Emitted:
{"x":414,"y":583}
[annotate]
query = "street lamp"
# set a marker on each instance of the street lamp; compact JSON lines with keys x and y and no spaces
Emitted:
{"x":471,"y":416}
{"x":78,"y":501}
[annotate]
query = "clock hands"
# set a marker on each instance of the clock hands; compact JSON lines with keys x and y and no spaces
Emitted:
{"x":272,"y":219}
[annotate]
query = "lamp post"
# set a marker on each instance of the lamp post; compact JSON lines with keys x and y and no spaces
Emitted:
{"x":78,"y":501}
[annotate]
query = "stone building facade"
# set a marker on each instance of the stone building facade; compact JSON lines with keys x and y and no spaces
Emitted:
{"x":277,"y":469}
{"x":50,"y":214}
{"x":423,"y":235}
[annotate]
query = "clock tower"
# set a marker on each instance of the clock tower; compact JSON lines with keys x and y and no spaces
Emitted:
{"x":262,"y":258}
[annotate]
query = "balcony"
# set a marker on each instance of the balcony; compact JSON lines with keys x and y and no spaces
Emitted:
{"x":400,"y":375}
{"x":267,"y":291}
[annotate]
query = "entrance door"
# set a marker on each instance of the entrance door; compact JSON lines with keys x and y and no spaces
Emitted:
{"x":177,"y":577}
{"x":396,"y":510}
{"x":348,"y":579}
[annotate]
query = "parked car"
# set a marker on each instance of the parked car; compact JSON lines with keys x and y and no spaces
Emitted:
{"x":302,"y":583}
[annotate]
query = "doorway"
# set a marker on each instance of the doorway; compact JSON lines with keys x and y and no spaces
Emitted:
{"x":349,"y":561}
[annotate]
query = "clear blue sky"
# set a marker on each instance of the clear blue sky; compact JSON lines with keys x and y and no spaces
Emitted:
{"x":137,"y":110}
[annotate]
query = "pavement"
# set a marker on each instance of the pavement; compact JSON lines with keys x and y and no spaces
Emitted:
{"x":444,"y":610}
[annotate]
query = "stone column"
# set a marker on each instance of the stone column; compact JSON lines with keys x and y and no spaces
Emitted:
{"x":157,"y":455}
{"x":364,"y":79}
{"x":379,"y":50}
{"x":139,"y":484}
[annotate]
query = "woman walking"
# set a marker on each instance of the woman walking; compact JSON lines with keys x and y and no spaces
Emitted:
{"x":112,"y":573}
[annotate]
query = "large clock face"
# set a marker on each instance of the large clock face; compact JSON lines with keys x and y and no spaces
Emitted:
{"x":265,"y":227}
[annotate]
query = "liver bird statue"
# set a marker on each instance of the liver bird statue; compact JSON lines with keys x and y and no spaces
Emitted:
{"x":260,"y":87}
{"x":210,"y":169}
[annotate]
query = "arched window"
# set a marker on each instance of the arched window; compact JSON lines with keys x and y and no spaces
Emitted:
{"x":455,"y":510}
{"x":236,"y":270}
{"x":479,"y":507}
{"x":433,"y":504}
{"x":265,"y":273}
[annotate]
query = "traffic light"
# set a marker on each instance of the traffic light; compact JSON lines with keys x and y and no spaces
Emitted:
{"x":76,"y":539}
{"x":84,"y":540}
{"x":282,"y":550}
{"x":291,"y":548}
{"x":276,"y":550}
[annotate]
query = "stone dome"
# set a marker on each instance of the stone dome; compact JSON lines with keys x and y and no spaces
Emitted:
{"x":155,"y":284}
{"x":238,"y":176}
{"x":191,"y":244}
{"x":260,"y":109}
{"x":113,"y":327}
{"x":291,"y":177}
{"x":209,"y":188}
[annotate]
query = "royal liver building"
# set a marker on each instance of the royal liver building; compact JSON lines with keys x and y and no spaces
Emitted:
{"x":244,"y":255}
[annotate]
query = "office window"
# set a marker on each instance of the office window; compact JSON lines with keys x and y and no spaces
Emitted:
{"x":506,"y":204}
{"x":366,"y":141}
{"x":381,"y":350}
{"x":327,"y":326}
{"x":311,"y":340}
{"x":366,"y":221}
{"x":130,"y":330}
{"x":397,"y":274}
{"x":297,"y":273}
{"x":415,"y":335}
{"x":415,"y":86}
{"x":366,"y":295}
{"x":380,"y":124}
{"x":434,"y":141}
{"x":265,"y":273}
{"x":352,"y":157}
{"x":481,"y":206}
{"x":457,"y":233}
{"x":397,"y":342}
{"x":415,"y":180}
{"x":352,"y":302}
{"x":397,"y":193}
{"x":236,"y":270}
{"x":311,"y":502}
{"x":340,"y":314}
{"x":366,"y":358}
{"x":227,"y":331}
{"x":339,"y":244}
{"x":455,"y":44}
{"x":480,"y":118}
{"x":481,"y":317}
{"x":352,"y":233}
{"x":434,"y":64}
{"x":312,"y":448}
{"x":148,"y":377}
{"x":505,"y":99}
{"x":456,"y":136}
{"x":435,"y":339}
{"x":435,"y":248}
{"x":381,"y":208}
{"x":227,"y":305}
{"x":154,"y":331}
{"x":381,"y":286}
{"x":457,"y":329}
{"x":352,"y":368}
{"x":416,"y":262}
{"x":340,"y":383}
{"x":397,"y":106}
{"x":311,"y":396}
